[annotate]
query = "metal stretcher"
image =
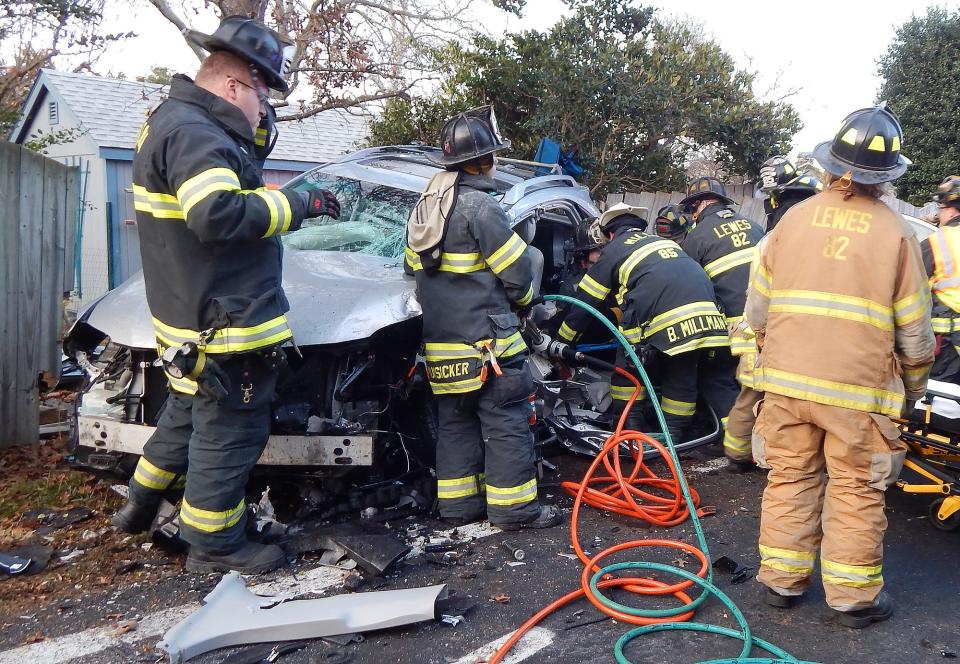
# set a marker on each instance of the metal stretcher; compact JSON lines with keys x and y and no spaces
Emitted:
{"x":932,"y":465}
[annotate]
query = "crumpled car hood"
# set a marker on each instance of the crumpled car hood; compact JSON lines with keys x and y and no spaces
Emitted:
{"x":334,"y":297}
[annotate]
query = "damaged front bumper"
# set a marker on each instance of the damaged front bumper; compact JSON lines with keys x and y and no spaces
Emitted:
{"x":107,"y":437}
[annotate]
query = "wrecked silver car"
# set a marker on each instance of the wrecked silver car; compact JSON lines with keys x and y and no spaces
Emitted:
{"x":352,"y":396}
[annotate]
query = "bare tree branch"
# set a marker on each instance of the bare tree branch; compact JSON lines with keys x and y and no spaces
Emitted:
{"x":349,"y":51}
{"x":171,"y":16}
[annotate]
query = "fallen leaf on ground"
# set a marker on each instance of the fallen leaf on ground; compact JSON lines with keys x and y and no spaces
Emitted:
{"x":123,"y":627}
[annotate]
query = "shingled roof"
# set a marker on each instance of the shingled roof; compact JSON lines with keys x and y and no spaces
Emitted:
{"x":113,"y":111}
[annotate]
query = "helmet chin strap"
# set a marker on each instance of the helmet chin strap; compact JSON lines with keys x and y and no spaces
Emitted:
{"x":701,"y":206}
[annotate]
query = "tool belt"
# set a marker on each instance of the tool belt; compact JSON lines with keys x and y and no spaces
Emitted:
{"x":456,"y":368}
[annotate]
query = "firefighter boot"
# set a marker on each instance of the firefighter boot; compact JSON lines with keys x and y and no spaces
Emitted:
{"x":251,"y":558}
{"x":548,"y":517}
{"x":773,"y":598}
{"x":881,"y":610}
{"x":136,"y":516}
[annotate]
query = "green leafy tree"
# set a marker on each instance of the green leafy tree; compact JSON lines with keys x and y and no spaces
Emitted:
{"x":921,"y":82}
{"x":637,"y":97}
{"x":158,"y":74}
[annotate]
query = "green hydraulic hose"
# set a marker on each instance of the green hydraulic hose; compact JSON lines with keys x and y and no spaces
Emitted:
{"x":749,"y":641}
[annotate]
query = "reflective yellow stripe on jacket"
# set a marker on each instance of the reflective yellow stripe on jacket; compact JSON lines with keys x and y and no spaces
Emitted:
{"x":680,"y":314}
{"x":634,"y":260}
{"x":945,"y":282}
{"x":228,"y":339}
{"x":468,"y":356}
{"x":567,"y":333}
{"x":730,"y":261}
{"x":507,"y":254}
{"x":204,"y":184}
{"x":942,"y":325}
{"x":593,"y":288}
{"x":831,"y":393}
{"x":458,"y":263}
{"x":832,"y":305}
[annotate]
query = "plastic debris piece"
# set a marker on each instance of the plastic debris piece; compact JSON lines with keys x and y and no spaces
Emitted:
{"x":232,"y":615}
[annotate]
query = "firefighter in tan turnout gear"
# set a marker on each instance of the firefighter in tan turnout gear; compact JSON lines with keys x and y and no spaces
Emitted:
{"x":209,"y":235}
{"x":841,"y":310}
{"x":473,"y":273}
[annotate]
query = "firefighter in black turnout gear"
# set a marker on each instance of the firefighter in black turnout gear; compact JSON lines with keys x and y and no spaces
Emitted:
{"x":668,"y":305}
{"x":473,"y":273}
{"x":724,"y":243}
{"x":209,"y":237}
{"x":783,"y":187}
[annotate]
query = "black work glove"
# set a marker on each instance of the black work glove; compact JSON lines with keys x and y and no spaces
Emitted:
{"x":188,"y":361}
{"x":265,"y":136}
{"x":320,"y":202}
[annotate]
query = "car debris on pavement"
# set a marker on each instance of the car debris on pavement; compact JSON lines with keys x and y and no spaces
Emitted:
{"x":232,"y":615}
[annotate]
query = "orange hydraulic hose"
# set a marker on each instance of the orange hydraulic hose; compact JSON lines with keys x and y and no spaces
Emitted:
{"x":621,"y":493}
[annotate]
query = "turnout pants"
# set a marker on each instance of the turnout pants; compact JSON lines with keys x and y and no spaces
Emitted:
{"x":212,"y":446}
{"x":485,"y":457}
{"x":682,"y":378}
{"x":738,"y":439}
{"x":946,"y":365}
{"x":718,"y":381}
{"x":676,"y":376}
{"x":829,"y":467}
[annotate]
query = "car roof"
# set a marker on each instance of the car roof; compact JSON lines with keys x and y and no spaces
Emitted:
{"x":922,"y":227}
{"x":522,"y":184}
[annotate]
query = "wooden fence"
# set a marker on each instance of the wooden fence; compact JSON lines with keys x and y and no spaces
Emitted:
{"x":745,"y":202}
{"x":39,"y":202}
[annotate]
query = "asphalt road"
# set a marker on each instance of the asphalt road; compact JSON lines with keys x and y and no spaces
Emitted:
{"x":920,"y":570}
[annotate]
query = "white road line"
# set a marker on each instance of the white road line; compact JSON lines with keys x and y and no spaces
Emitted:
{"x":532,"y":642}
{"x":96,"y":639}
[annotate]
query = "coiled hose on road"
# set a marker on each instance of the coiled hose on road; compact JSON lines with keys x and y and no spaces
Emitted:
{"x":629,"y":494}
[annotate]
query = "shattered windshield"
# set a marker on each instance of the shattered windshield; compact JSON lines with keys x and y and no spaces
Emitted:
{"x":373,"y":218}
